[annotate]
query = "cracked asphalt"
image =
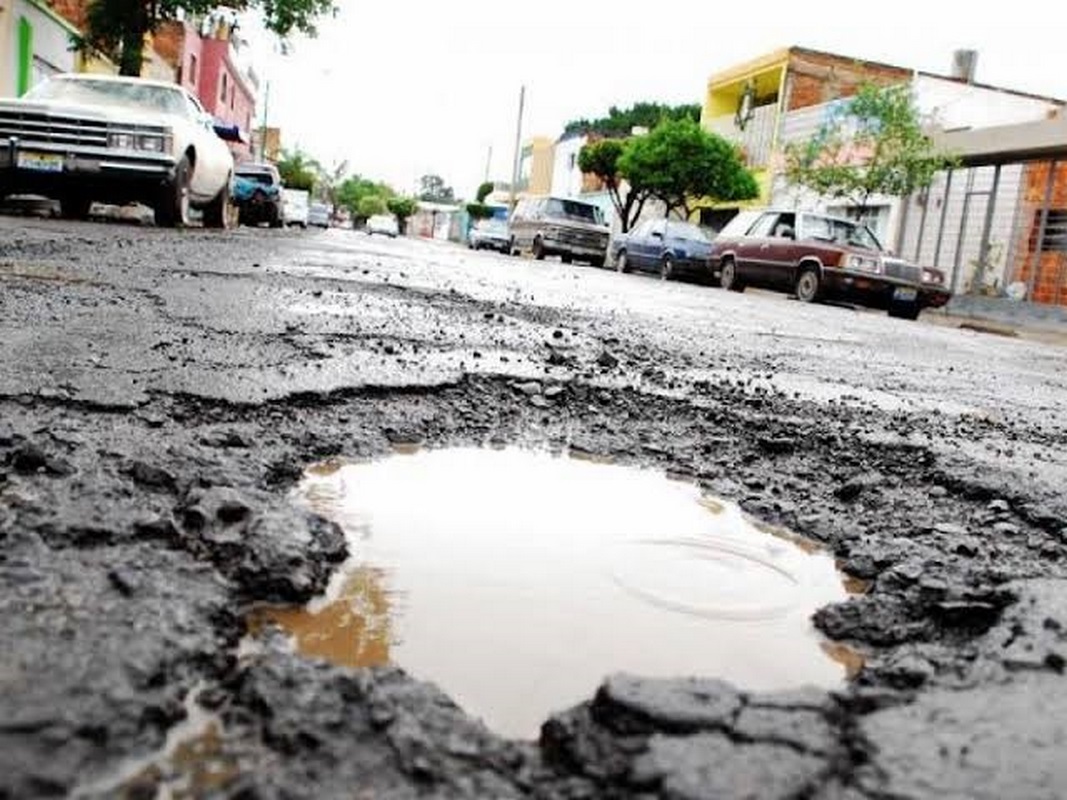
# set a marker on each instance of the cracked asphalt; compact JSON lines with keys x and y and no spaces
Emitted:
{"x":162,"y":392}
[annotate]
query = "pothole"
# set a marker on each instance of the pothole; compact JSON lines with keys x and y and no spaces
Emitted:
{"x":517,"y":580}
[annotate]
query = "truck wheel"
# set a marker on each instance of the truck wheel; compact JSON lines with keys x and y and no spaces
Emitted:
{"x":905,"y":310}
{"x":172,"y":208}
{"x":215,"y":213}
{"x":596,"y":261}
{"x":538,"y":249}
{"x":620,"y":262}
{"x":809,"y":285}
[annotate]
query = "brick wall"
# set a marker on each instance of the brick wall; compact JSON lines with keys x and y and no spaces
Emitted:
{"x":816,"y":78}
{"x":1050,"y":280}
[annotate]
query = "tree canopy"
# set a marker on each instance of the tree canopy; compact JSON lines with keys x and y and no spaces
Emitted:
{"x":298,"y":170}
{"x":620,"y":122}
{"x":118,"y":27}
{"x":875,"y":145}
{"x":370,"y":205}
{"x":402,"y":208}
{"x":679,"y":162}
{"x":601,"y":158}
{"x":484,"y":191}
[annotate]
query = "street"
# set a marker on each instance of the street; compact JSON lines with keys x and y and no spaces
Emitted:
{"x":162,"y":393}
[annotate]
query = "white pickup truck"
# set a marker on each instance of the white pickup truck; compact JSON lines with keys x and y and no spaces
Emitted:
{"x":85,"y":138}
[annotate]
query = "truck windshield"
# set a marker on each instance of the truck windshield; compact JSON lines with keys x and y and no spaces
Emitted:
{"x":572,"y":209}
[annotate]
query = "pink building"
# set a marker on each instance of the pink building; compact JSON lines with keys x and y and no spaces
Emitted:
{"x":206,"y":66}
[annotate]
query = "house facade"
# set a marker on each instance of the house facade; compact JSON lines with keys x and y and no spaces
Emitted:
{"x":786,"y":97}
{"x":536,"y":163}
{"x":35,"y":42}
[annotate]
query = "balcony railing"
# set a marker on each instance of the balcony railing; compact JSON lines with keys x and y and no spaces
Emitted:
{"x":757,"y":138}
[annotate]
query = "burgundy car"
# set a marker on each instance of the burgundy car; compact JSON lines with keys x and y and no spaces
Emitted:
{"x":816,"y":256}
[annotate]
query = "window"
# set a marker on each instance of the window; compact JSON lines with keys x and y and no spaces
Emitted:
{"x":764,"y":225}
{"x":643,"y":230}
{"x":572,"y":161}
{"x":192,"y":69}
{"x":1055,"y":233}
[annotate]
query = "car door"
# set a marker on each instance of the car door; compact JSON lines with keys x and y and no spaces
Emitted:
{"x":753,"y":250}
{"x":783,"y":252}
{"x":655,"y":245}
{"x":637,"y":246}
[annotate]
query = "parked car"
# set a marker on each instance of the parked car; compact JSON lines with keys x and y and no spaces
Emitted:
{"x":572,"y":229}
{"x":295,"y":207}
{"x":668,"y":247}
{"x":257,"y":191}
{"x":85,"y":138}
{"x":490,"y":234}
{"x":383,"y":225}
{"x":817,"y":256}
{"x":319,"y":215}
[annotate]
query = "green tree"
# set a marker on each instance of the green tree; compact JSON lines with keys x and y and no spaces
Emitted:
{"x":370,"y":205}
{"x":874,"y":145}
{"x":352,"y":190}
{"x":679,"y":162}
{"x":620,"y":122}
{"x":402,"y":208}
{"x":484,"y":191}
{"x":298,"y":170}
{"x":479,"y":211}
{"x":601,"y":158}
{"x":118,"y":27}
{"x":433,"y":189}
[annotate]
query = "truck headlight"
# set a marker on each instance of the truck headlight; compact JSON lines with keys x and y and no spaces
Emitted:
{"x":933,"y":276}
{"x":123,"y":141}
{"x":862,"y":263}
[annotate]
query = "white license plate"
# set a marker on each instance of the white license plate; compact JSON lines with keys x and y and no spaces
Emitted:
{"x":40,"y":162}
{"x":905,"y":294}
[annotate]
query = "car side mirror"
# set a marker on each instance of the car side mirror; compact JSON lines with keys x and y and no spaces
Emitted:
{"x":226,"y":132}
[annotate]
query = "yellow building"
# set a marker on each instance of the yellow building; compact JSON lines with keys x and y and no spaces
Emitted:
{"x":535,"y":166}
{"x":747,"y":103}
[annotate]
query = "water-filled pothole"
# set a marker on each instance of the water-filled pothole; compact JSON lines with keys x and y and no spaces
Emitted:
{"x":518,"y":580}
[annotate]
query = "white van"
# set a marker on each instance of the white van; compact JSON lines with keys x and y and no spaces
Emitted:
{"x":295,"y":209}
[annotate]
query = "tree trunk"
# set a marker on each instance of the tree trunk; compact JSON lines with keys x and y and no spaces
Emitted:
{"x":132,"y":57}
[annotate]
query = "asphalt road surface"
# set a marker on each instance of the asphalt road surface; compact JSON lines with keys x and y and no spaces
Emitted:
{"x":162,"y":392}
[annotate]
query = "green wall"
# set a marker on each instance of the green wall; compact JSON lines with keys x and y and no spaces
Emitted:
{"x":24,"y":63}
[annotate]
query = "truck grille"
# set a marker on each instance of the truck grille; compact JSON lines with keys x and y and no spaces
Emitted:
{"x":582,"y":238}
{"x":33,"y":126}
{"x":902,"y":270}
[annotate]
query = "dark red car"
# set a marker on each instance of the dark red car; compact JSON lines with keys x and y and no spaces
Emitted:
{"x":817,"y":256}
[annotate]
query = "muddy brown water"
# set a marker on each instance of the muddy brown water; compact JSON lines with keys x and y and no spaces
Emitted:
{"x":517,"y":580}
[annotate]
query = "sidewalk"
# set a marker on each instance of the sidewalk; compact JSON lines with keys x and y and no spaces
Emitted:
{"x":1003,"y":317}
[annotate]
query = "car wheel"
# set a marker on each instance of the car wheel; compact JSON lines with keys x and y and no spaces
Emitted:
{"x":728,"y":277}
{"x":809,"y":285}
{"x":666,"y":268}
{"x":905,"y":310}
{"x":74,"y":206}
{"x":539,"y":249}
{"x":621,"y":264}
{"x":597,"y":261}
{"x":172,"y":209}
{"x":215,"y":213}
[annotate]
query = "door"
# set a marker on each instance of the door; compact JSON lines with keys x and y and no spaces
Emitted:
{"x":783,"y":252}
{"x":753,"y":250}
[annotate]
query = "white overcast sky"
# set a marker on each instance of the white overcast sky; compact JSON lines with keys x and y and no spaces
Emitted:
{"x":399,"y":89}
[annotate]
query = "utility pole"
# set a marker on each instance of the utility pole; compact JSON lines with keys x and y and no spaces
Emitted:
{"x":488,"y":163}
{"x":263,"y":130}
{"x":518,"y":151}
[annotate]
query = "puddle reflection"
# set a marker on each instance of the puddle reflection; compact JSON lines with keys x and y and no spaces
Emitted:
{"x":517,"y":580}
